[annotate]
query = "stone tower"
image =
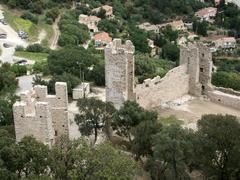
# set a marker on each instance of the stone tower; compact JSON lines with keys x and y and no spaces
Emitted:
{"x":42,"y":116}
{"x":119,"y":72}
{"x":199,"y":66}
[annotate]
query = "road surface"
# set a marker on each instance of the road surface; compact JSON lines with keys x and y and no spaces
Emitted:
{"x":56,"y":34}
{"x":13,"y":39}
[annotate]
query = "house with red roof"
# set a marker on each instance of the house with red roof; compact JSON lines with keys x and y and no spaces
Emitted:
{"x":101,"y":40}
{"x":206,"y":14}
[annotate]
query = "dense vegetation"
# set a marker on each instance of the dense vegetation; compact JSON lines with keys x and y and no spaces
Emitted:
{"x":30,"y":159}
{"x":165,"y":151}
{"x":228,"y":74}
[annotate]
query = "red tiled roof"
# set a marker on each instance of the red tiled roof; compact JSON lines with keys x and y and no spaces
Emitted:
{"x":102,"y":37}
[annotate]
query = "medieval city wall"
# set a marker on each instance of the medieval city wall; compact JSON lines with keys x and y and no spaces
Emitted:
{"x":36,"y":123}
{"x":119,"y":72}
{"x":58,"y":106}
{"x":42,"y":116}
{"x":156,"y":91}
{"x":225,"y":99}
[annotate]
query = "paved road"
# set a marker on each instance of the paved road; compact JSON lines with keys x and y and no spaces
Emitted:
{"x":13,"y":39}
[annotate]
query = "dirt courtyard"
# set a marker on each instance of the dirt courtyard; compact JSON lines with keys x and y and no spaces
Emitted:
{"x":192,"y":110}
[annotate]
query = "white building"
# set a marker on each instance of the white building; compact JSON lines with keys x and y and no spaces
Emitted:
{"x":81,"y":91}
{"x":225,"y":43}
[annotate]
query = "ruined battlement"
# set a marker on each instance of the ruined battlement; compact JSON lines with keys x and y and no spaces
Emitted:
{"x":199,"y":66}
{"x":157,"y":91}
{"x":119,"y":72}
{"x":41,"y":115}
{"x":36,"y":123}
{"x":117,"y":47}
{"x":60,"y":100}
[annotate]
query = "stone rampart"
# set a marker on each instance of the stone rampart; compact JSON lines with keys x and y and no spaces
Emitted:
{"x":41,"y":115}
{"x":225,"y":99}
{"x":156,"y":91}
{"x":119,"y":72}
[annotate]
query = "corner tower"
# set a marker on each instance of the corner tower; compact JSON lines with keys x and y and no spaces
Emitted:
{"x":119,"y":72}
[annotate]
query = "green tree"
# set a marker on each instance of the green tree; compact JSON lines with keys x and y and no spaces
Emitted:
{"x":28,"y":157}
{"x":217,"y":147}
{"x":71,"y":80}
{"x":139,"y":39}
{"x":142,"y":143}
{"x":170,"y":34}
{"x":109,"y":163}
{"x":72,"y":60}
{"x":94,"y":115}
{"x":170,"y":150}
{"x":170,"y":51}
{"x":129,"y":116}
{"x":6,"y":113}
{"x":69,"y":159}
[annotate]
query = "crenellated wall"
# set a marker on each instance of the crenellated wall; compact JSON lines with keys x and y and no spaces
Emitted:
{"x":41,"y":115}
{"x":119,"y":72}
{"x":156,"y":91}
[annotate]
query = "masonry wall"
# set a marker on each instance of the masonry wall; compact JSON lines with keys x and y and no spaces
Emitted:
{"x":58,"y":106}
{"x":37,"y":123}
{"x":41,"y":115}
{"x":154,"y":92}
{"x":225,"y":99}
{"x":199,"y":61}
{"x":119,"y":72}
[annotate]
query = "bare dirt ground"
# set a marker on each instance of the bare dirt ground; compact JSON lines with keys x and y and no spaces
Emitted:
{"x":191,"y":111}
{"x":56,"y":31}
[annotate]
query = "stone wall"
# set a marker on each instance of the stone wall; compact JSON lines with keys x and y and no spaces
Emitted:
{"x":58,"y":106}
{"x":119,"y":72}
{"x":154,"y":92}
{"x":41,"y":115}
{"x":225,"y":99}
{"x":199,"y":61}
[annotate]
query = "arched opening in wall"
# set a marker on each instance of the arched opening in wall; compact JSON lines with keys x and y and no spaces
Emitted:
{"x":56,"y":133}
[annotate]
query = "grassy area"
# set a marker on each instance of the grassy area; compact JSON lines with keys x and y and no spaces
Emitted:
{"x":18,"y":23}
{"x":171,"y":120}
{"x":48,"y":28}
{"x":38,"y":57}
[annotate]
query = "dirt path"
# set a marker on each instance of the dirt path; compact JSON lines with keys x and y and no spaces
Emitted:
{"x":191,"y":111}
{"x":56,"y":34}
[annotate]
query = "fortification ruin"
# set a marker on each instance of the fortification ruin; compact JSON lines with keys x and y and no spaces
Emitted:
{"x":43,"y":116}
{"x":119,"y":72}
{"x":192,"y":76}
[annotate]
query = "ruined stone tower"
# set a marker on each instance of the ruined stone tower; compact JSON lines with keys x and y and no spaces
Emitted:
{"x":43,"y":116}
{"x":119,"y":72}
{"x":199,"y":67}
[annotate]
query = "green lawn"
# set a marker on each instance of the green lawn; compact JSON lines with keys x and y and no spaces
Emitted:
{"x":18,"y":23}
{"x":171,"y":120}
{"x":38,"y":57}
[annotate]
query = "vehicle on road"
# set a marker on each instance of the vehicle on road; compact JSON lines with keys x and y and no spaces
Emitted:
{"x":3,"y":21}
{"x":22,"y":62}
{"x":7,"y":45}
{"x":22,"y":34}
{"x":3,"y":35}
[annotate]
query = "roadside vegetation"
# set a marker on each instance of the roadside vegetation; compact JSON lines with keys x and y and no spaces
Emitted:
{"x":228,"y":74}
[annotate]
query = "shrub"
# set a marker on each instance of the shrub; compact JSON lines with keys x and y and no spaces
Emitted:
{"x":35,"y":48}
{"x":29,"y":16}
{"x":19,"y":70}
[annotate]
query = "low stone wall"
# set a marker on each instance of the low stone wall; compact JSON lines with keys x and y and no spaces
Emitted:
{"x":228,"y":91}
{"x":225,"y":99}
{"x":157,"y":91}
